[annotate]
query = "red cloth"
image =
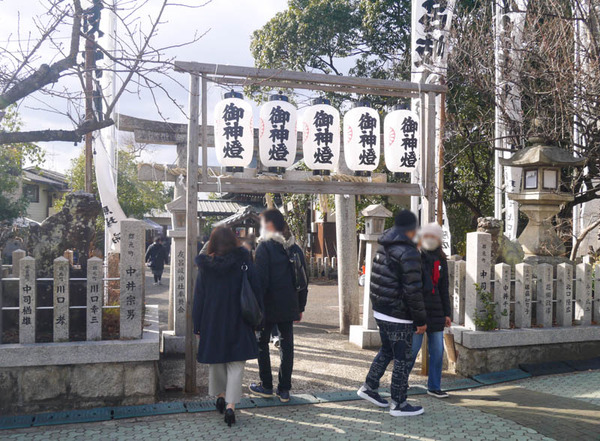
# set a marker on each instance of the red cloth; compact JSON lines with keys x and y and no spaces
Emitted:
{"x":435,"y":277}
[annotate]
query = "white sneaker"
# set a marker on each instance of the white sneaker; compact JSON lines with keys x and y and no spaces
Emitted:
{"x":372,"y":397}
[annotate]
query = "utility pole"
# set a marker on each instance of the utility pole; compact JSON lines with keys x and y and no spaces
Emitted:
{"x":90,"y":63}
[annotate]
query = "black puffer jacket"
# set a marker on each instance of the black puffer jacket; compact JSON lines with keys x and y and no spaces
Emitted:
{"x":435,"y":289}
{"x":396,"y":280}
{"x":282,"y":302}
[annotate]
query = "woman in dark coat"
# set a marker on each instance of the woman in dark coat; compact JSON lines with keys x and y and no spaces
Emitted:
{"x":225,"y":340}
{"x":436,"y":297}
{"x":156,"y":255}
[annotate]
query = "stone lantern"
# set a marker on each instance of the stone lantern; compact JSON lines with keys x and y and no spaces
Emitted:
{"x":540,"y":196}
{"x":367,"y":335}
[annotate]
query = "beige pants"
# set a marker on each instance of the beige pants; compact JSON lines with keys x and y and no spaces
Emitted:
{"x":226,"y":378}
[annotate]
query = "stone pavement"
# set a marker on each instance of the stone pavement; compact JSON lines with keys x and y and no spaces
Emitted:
{"x":511,"y":411}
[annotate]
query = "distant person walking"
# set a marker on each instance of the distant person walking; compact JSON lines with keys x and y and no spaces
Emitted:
{"x":437,"y":305}
{"x":281,"y":265}
{"x":397,"y":299}
{"x":156,"y":256}
{"x":226,"y":341}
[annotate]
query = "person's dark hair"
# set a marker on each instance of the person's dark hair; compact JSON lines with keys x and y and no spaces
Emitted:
{"x":276,"y":218}
{"x":406,"y":220}
{"x":222,"y":241}
{"x":158,"y":239}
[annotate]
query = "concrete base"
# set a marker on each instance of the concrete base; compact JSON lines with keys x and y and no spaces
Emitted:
{"x":481,"y":352}
{"x":172,"y":344}
{"x":364,"y":338}
{"x":80,"y":374}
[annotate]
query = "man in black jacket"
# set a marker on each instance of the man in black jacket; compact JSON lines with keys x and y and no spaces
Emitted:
{"x":283,"y":304}
{"x":397,"y":299}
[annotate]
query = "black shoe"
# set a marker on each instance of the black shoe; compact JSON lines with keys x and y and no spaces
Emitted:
{"x":229,"y":417}
{"x":438,"y":393}
{"x":284,"y":395}
{"x":259,"y":390}
{"x":406,"y":410}
{"x":220,"y":405}
{"x":372,"y":397}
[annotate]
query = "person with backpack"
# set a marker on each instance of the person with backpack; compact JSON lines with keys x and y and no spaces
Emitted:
{"x":397,"y":299}
{"x":156,"y":256}
{"x":436,"y":296}
{"x":226,"y":339}
{"x":282,"y":268}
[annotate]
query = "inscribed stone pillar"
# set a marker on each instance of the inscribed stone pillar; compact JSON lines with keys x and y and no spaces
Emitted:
{"x":523,"y":295}
{"x":132,"y":278}
{"x":345,"y":228}
{"x":596,"y":312}
{"x":478,"y":270}
{"x":27,"y":300}
{"x":583,"y":294}
{"x":326,"y":266}
{"x":459,"y":292}
{"x":178,"y":281}
{"x":564,"y":294}
{"x":545,"y":274}
{"x":1,"y":302}
{"x":368,"y":321}
{"x":61,"y":299}
{"x":502,"y":294}
{"x":95,"y":289}
{"x":17,"y":255}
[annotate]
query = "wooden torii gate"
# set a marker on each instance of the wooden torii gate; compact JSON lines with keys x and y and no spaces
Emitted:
{"x":252,"y":180}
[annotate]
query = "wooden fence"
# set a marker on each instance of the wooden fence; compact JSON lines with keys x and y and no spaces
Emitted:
{"x":523,"y":296}
{"x":131,"y":277}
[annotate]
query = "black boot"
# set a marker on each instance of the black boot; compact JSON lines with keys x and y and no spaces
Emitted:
{"x":220,"y":404}
{"x":230,"y":417}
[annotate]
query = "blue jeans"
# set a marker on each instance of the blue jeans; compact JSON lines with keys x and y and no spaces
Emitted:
{"x":396,"y":341}
{"x":435,"y":344}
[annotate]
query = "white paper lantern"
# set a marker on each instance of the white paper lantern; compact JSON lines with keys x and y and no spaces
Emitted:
{"x":401,"y":141}
{"x":362,"y":139}
{"x":277,"y":139}
{"x":321,"y":136}
{"x":234,"y":137}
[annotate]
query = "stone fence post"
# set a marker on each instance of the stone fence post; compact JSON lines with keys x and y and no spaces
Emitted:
{"x":61,"y":299}
{"x":545,"y":285}
{"x":27,"y":300}
{"x":583,"y":294}
{"x":564,"y":294}
{"x":502,"y":294}
{"x":459,"y":291}
{"x":132,"y":274}
{"x":95,"y":290}
{"x":479,"y":267}
{"x":523,"y":295}
{"x":17,"y":255}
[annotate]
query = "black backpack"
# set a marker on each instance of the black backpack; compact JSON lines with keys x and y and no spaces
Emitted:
{"x":300,"y":278}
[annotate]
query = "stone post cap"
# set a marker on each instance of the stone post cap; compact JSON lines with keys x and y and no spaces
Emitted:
{"x":94,"y":259}
{"x":61,"y":259}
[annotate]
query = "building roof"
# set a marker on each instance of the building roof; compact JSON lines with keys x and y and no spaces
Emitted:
{"x":243,"y":213}
{"x":48,"y":177}
{"x":206,"y":207}
{"x":540,"y":154}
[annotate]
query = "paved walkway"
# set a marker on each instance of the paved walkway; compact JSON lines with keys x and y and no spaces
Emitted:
{"x":561,"y":407}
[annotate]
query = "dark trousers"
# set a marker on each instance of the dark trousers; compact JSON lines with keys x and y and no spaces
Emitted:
{"x":396,"y":344}
{"x":286,"y":352}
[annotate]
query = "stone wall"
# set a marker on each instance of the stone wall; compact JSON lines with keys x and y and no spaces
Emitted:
{"x":480,"y":361}
{"x":61,"y":387}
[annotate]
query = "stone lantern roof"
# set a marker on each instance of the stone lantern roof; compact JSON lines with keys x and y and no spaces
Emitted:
{"x":542,"y":154}
{"x":376,"y":210}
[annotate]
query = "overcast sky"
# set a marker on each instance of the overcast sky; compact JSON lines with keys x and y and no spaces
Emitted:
{"x":228,"y":23}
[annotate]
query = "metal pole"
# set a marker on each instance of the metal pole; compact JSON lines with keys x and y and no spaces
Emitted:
{"x":89,"y":111}
{"x":498,"y":127}
{"x":191,"y":234}
{"x":204,"y":129}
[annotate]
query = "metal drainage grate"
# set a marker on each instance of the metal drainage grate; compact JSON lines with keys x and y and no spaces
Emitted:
{"x":328,"y":397}
{"x":148,"y":409}
{"x":16,"y":422}
{"x":73,"y":416}
{"x":501,"y":376}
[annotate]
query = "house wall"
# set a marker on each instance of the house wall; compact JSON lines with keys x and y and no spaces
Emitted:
{"x":38,"y":211}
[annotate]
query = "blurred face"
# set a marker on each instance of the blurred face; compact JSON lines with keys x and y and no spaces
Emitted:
{"x":430,"y":242}
{"x":411,"y":234}
{"x":267,"y":226}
